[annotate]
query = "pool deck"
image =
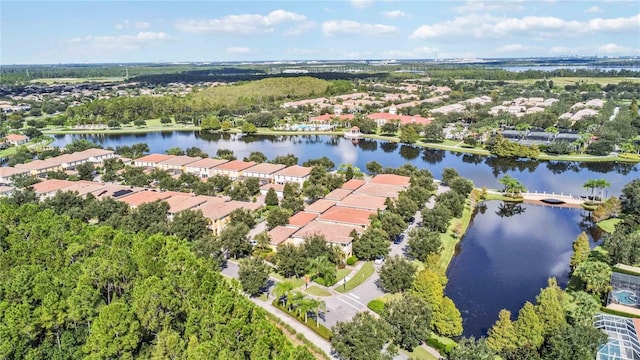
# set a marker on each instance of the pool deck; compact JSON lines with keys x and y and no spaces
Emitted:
{"x":623,"y":308}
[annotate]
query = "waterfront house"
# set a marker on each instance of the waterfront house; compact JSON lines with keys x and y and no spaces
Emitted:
{"x":151,"y":160}
{"x":204,"y":167}
{"x":233,"y":169}
{"x":264,"y":172}
{"x":297,"y":174}
{"x":39,"y":168}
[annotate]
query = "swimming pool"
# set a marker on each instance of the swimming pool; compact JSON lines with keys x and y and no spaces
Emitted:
{"x":625,"y":297}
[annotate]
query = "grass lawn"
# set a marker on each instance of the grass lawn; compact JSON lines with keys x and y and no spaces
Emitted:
{"x":419,"y":353}
{"x":450,"y":239}
{"x":608,"y":225}
{"x":491,"y":196}
{"x":358,"y":278}
{"x":317,"y":291}
{"x":342,"y":273}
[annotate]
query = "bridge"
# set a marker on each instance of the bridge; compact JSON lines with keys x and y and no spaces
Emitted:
{"x":552,"y":199}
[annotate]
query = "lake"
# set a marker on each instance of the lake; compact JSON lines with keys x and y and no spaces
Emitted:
{"x":550,"y":176}
{"x":506,"y":255}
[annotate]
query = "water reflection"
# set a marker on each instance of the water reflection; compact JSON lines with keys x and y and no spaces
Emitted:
{"x":509,"y":209}
{"x":504,"y":261}
{"x":389,"y":147}
{"x":409,"y":152}
{"x":433,"y":156}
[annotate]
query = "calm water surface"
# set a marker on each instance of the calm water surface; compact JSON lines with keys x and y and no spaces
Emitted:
{"x":507,"y":255}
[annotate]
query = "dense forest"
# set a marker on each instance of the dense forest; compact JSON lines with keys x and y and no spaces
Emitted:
{"x":71,"y":290}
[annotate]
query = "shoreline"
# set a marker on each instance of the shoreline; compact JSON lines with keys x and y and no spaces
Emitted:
{"x":263,"y":131}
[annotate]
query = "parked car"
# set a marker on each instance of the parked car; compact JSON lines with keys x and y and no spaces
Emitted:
{"x":379,"y":260}
{"x":399,"y":239}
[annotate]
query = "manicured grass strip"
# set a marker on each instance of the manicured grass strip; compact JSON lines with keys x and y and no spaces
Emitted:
{"x":317,"y":291}
{"x":342,"y":273}
{"x":358,"y":278}
{"x":321,"y":330}
{"x":457,"y":228}
{"x":297,"y":282}
{"x":419,"y":353}
{"x":608,"y":225}
{"x":492,"y":196}
{"x":290,"y":332}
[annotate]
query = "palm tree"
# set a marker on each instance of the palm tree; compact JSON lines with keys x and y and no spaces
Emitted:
{"x":591,"y":185}
{"x":295,"y":299}
{"x":512,"y":186}
{"x":283,"y":289}
{"x":304,"y":306}
{"x":602,"y":184}
{"x":319,"y":305}
{"x":323,"y":268}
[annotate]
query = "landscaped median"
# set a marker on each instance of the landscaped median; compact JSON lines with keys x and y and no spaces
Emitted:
{"x":319,"y":329}
{"x":358,"y":278}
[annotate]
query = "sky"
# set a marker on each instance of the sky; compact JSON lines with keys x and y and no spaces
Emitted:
{"x":51,"y":32}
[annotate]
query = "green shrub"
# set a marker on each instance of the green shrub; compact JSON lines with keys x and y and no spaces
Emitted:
{"x":440,"y":345}
{"x":321,"y":330}
{"x":352,"y":260}
{"x":376,"y":306}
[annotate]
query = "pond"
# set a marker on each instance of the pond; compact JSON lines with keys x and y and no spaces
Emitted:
{"x":550,"y":176}
{"x":507,"y":255}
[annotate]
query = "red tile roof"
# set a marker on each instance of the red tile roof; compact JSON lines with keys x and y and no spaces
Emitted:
{"x":207,"y":163}
{"x":95,"y":152}
{"x":382,"y":190}
{"x":346,"y":215}
{"x":363,"y":201}
{"x":183,"y":202}
{"x":320,"y":206}
{"x":16,"y":137}
{"x":51,"y":185}
{"x":404,"y":119}
{"x":37,"y":165}
{"x":154,"y":158}
{"x":391,"y":179}
{"x":302,"y":218}
{"x":295,"y":171}
{"x":333,"y":233}
{"x":338,"y":194}
{"x":353,"y":184}
{"x":235,"y":165}
{"x":329,"y":117}
{"x":280,"y":234}
{"x":265,"y":168}
{"x":143,"y":197}
{"x":180,"y":160}
{"x":7,"y":171}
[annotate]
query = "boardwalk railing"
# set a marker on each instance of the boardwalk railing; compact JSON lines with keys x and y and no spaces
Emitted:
{"x":552,"y":195}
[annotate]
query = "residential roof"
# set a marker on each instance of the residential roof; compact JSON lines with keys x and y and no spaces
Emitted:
{"x":329,"y":117}
{"x":207,"y":163}
{"x":338,"y":194}
{"x":403,"y":119}
{"x":216,"y":210}
{"x":7,"y":171}
{"x":184,"y":202}
{"x":265,"y":168}
{"x":333,"y":233}
{"x":68,"y":158}
{"x":391,"y":179}
{"x":37,"y":165}
{"x":382,"y":190}
{"x":84,"y":187}
{"x":235,"y":165}
{"x":50,"y":185}
{"x":143,"y":197}
{"x":16,"y":137}
{"x":8,"y":189}
{"x":114,"y":191}
{"x":280,"y":234}
{"x":353,"y":184}
{"x":363,"y":201}
{"x":295,"y":171}
{"x":180,"y":160}
{"x":302,"y":218}
{"x":95,"y":152}
{"x":320,"y":206}
{"x":154,"y":158}
{"x":347,"y":215}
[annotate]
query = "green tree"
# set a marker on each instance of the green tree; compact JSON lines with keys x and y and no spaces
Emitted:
{"x":256,"y":156}
{"x":292,"y":198}
{"x":363,"y":338}
{"x":290,"y":261}
{"x":321,"y":268}
{"x":371,"y":244}
{"x":374,"y":167}
{"x":550,"y":308}
{"x":278,"y":216}
{"x":630,"y":200}
{"x":86,"y":171}
{"x":448,"y":175}
{"x":462,"y":186}
{"x":472,"y":349}
{"x":409,"y":318}
{"x":581,"y":250}
{"x":528,"y":327}
{"x":409,"y":134}
{"x":512,"y":187}
{"x":225,"y":154}
{"x":190,"y":225}
{"x":253,"y":275}
{"x":447,"y":320}
{"x":423,"y":242}
{"x":235,"y":239}
{"x":176,"y":151}
{"x":396,"y":274}
{"x":393,"y":224}
{"x":582,"y":308}
{"x":249,"y":128}
{"x":287,"y":160}
{"x":271,"y":199}
{"x":596,"y":275}
{"x":114,"y":333}
{"x":226,"y":125}
{"x":575,"y":342}
{"x":502,"y":336}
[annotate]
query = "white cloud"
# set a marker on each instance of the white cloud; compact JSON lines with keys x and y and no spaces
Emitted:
{"x":121,"y":42}
{"x":300,"y":28}
{"x":348,"y":27}
{"x":593,"y":9}
{"x":240,"y":24}
{"x":487,"y":26}
{"x":480,"y":6}
{"x":133,"y":24}
{"x":394,"y":14}
{"x":617,"y":49}
{"x":361,"y":4}
{"x":513,"y":48}
{"x":237,"y":50}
